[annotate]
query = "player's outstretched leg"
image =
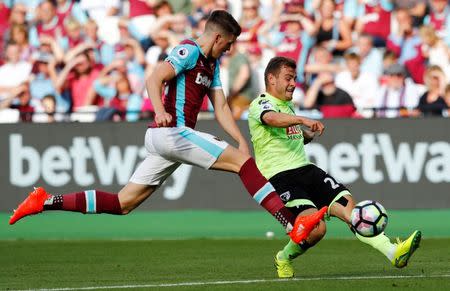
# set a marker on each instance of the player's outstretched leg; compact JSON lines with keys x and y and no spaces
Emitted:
{"x":398,"y":253}
{"x":310,"y":229}
{"x":406,"y":248}
{"x":33,"y":204}
{"x":90,"y":201}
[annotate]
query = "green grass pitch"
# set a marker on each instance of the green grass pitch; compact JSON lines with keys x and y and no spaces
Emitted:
{"x":219,"y":264}
{"x":174,"y":250}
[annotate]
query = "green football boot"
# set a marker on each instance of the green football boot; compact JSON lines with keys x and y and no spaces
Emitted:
{"x":406,"y":249}
{"x":284,"y":267}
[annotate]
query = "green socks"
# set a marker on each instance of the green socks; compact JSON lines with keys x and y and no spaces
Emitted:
{"x":290,"y":251}
{"x":380,"y":242}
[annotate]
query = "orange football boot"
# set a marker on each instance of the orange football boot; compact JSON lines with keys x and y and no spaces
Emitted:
{"x":305,"y":224}
{"x":33,"y":204}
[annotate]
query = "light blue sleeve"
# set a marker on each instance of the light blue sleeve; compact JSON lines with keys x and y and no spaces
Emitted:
{"x":132,"y":29}
{"x":64,"y":43}
{"x":134,"y":105}
{"x":351,"y":8}
{"x":387,"y":5}
{"x":106,"y":54}
{"x":309,"y":6}
{"x":9,"y":3}
{"x":307,"y":40}
{"x":274,"y":39}
{"x":33,"y":37}
{"x":104,"y":91}
{"x":183,"y":57}
{"x":396,"y":39}
{"x":307,"y":44}
{"x":216,"y":83}
{"x":447,"y":30}
{"x":79,"y":14}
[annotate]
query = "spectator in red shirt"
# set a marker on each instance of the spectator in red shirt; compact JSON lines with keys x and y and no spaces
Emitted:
{"x":77,"y":78}
{"x":374,"y":18}
{"x":251,"y":22}
{"x":139,"y":8}
{"x":70,"y":8}
{"x":4,"y":15}
{"x":406,"y":43}
{"x":74,"y":33}
{"x":49,"y":24}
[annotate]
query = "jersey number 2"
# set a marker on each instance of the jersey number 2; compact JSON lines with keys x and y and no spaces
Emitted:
{"x":334,"y":185}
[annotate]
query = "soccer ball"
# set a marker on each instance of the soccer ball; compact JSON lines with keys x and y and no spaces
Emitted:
{"x":369,"y":218}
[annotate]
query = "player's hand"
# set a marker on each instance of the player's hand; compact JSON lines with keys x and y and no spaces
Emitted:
{"x":163,"y":119}
{"x":314,"y":125}
{"x":308,"y":133}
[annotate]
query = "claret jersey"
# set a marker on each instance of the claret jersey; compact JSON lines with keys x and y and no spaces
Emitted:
{"x":196,"y":75}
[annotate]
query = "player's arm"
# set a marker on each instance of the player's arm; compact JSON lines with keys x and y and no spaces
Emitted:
{"x":162,"y":73}
{"x":225,"y":118}
{"x":279,"y":119}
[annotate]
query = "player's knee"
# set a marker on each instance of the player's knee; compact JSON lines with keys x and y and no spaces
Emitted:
{"x":321,"y":229}
{"x":318,"y":233}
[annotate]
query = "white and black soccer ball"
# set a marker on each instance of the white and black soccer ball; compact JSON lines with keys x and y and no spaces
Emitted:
{"x":369,"y":218}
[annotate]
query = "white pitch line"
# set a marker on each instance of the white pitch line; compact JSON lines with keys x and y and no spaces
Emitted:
{"x":182,"y":284}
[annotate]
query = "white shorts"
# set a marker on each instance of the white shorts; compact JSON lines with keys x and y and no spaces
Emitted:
{"x":168,"y":147}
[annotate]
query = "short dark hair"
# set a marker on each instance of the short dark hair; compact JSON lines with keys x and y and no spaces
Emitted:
{"x":50,"y":96}
{"x":388,"y":54}
{"x":352,"y":56}
{"x":52,"y":2}
{"x":223,"y":21}
{"x":274,"y":66}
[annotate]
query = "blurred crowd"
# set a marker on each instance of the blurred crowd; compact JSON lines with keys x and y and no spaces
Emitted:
{"x":87,"y":60}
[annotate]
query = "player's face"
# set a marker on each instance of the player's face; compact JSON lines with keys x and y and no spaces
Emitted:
{"x":222,"y":44}
{"x":285,"y":83}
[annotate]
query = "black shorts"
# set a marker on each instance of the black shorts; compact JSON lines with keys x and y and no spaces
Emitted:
{"x":307,"y":187}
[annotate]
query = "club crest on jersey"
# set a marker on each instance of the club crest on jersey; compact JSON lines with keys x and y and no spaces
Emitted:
{"x":265,"y":105}
{"x":203,"y":80}
{"x":285,"y":196}
{"x":183,"y":52}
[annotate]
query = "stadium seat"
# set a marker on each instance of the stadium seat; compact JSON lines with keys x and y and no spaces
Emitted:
{"x":84,"y":114}
{"x":9,"y":115}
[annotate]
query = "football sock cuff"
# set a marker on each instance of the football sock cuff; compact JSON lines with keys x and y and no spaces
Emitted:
{"x":381,"y":243}
{"x":290,"y":251}
{"x":89,"y":201}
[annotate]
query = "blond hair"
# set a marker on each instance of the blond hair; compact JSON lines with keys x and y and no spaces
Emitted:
{"x":428,"y":32}
{"x":429,"y":73}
